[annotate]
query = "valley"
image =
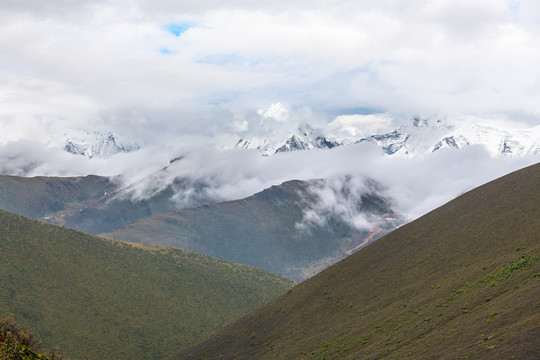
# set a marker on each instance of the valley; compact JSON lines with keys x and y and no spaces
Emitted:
{"x":365,"y":274}
{"x":157,"y":231}
{"x":269,"y":180}
{"x":263,"y":230}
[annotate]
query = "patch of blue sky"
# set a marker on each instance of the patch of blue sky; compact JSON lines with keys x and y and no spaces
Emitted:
{"x":177,"y":29}
{"x":166,"y":51}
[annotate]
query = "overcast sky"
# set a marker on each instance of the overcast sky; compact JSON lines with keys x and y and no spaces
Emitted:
{"x":177,"y":71}
{"x":152,"y":69}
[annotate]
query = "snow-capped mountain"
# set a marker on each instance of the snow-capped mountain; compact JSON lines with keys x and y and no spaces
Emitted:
{"x":276,"y":111}
{"x":278,"y":132}
{"x":98,"y":145}
{"x":425,"y":135}
{"x":414,"y":137}
{"x":304,"y":137}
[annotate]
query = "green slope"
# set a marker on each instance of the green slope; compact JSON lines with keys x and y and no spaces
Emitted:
{"x":41,"y":196}
{"x":101,"y":299}
{"x":114,"y":210}
{"x":92,"y":204}
{"x":259,"y":230}
{"x":461,"y":282}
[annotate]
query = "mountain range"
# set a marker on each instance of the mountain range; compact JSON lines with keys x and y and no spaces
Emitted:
{"x":305,"y":137}
{"x":425,"y":135}
{"x":279,"y":132}
{"x":93,"y":204}
{"x":411,"y":138}
{"x":98,"y":145}
{"x":272,"y":229}
{"x":286,"y":229}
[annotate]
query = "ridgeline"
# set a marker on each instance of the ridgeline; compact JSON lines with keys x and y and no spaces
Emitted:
{"x":460,"y":282}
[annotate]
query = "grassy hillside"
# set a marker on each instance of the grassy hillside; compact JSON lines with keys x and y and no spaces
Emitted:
{"x":259,"y":230}
{"x":102,"y":299}
{"x":117,"y":209}
{"x":38,"y":197}
{"x":461,"y":282}
{"x":92,"y":204}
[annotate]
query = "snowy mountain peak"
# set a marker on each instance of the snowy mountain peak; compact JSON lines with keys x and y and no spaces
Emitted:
{"x":96,"y":144}
{"x":426,"y":135}
{"x":415,"y":137}
{"x":276,"y":111}
{"x":420,"y":122}
{"x":304,"y":137}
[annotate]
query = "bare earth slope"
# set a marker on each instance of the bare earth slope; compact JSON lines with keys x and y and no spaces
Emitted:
{"x":461,"y":282}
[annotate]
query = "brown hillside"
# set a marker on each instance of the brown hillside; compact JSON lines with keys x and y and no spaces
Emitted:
{"x":460,"y":282}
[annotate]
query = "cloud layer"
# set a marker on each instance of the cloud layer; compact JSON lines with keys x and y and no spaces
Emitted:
{"x":178,"y":67}
{"x":415,"y":186}
{"x":183,"y":73}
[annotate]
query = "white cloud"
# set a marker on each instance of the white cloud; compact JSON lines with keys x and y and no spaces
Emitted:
{"x":415,"y":185}
{"x":339,"y":198}
{"x":75,"y":61}
{"x":101,"y":66}
{"x":361,"y":125}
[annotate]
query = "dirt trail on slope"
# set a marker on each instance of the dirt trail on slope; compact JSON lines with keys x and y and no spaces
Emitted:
{"x":367,"y":239}
{"x":373,"y":233}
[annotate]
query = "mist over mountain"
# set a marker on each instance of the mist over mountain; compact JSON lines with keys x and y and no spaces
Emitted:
{"x":421,"y":162}
{"x":95,"y":204}
{"x":294,"y":229}
{"x":262,"y":124}
{"x":202,"y":175}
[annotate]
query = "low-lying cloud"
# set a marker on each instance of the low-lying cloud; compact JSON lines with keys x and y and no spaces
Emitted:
{"x":415,"y":186}
{"x":340,"y":198}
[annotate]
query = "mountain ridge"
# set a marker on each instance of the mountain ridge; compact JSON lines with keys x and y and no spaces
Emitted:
{"x":280,"y":229}
{"x":38,"y":197}
{"x":93,"y":204}
{"x":461,"y":281}
{"x":414,"y":137}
